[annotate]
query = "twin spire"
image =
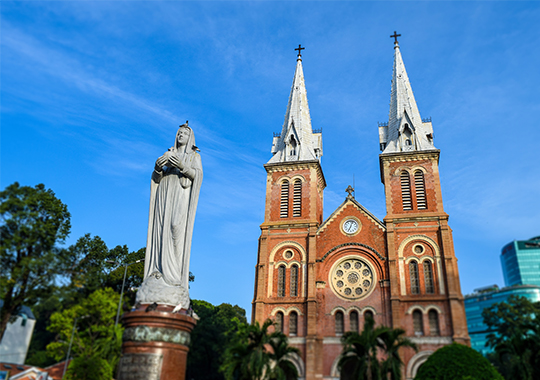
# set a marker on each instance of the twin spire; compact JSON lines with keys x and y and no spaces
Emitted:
{"x":405,"y":131}
{"x":297,"y":141}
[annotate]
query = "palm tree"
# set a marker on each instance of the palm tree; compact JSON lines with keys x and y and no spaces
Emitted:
{"x":256,"y":354}
{"x":360,"y":352}
{"x":246,"y":357}
{"x":393,"y":340}
{"x":283,"y":368}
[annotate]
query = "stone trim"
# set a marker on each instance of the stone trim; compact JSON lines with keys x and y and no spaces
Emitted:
{"x":350,"y":244}
{"x":144,"y":333}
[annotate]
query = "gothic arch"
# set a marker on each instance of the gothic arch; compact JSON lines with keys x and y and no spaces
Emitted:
{"x":415,"y":363}
{"x":424,"y":309}
{"x":298,"y":363}
{"x":401,"y":260}
{"x":338,"y":308}
{"x":302,"y":265}
{"x":278,"y":308}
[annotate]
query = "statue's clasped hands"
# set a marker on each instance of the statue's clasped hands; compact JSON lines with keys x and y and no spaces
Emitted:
{"x":169,"y":159}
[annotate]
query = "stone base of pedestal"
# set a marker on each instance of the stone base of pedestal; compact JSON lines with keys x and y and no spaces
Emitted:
{"x":155,"y":344}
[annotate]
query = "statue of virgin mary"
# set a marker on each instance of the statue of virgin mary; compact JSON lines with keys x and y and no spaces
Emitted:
{"x":176,"y":182}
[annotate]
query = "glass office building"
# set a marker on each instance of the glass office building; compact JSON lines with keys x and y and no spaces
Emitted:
{"x":520,"y":261}
{"x":482,"y":298}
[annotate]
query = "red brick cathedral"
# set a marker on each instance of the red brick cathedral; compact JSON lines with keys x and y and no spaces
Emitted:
{"x":320,"y":278}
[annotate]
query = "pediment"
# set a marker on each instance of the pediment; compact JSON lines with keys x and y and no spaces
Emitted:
{"x":350,"y":201}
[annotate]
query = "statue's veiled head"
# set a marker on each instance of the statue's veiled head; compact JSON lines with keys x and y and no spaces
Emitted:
{"x":185,"y":139}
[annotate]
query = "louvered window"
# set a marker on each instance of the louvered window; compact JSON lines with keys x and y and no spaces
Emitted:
{"x":418,"y":323}
{"x":406,"y":190}
{"x":297,"y":198}
{"x":339,"y":323}
{"x":433,"y":323}
{"x":293,"y":323}
{"x":428,"y":276}
{"x":284,"y":206}
{"x":281,"y":281}
{"x":413,"y":272}
{"x":279,"y":321}
{"x":294,"y":281}
{"x":354,"y":321}
{"x":420,"y":190}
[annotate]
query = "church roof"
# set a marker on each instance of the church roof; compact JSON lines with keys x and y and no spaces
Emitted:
{"x":297,"y":142}
{"x":405,"y":131}
{"x":351,"y":200}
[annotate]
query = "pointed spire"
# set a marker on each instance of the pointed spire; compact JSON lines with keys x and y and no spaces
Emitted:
{"x":405,"y":130}
{"x":297,"y":142}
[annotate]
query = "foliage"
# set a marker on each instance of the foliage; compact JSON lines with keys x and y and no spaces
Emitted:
{"x":361,"y":352}
{"x":457,"y":362}
{"x":95,"y":335}
{"x":210,"y":335}
{"x":394,"y":340}
{"x":89,"y":368}
{"x":256,"y":354}
{"x":515,"y":338}
{"x":33,"y":222}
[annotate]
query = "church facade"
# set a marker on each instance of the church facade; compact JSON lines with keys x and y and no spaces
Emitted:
{"x":318,"y":279}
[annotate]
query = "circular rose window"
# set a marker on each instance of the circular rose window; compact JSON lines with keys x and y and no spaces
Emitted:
{"x":352,"y":278}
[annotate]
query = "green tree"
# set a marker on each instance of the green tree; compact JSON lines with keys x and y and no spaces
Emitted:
{"x":457,"y":362}
{"x":280,"y":355}
{"x":393,"y":341}
{"x":360,"y":352}
{"x":515,"y":337}
{"x":96,"y":336}
{"x":33,"y":221}
{"x":87,"y":270}
{"x":254,"y":353}
{"x":89,"y":368}
{"x":215,"y":326}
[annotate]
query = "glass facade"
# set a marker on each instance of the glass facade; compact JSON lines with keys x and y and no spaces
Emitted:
{"x":520,"y":261}
{"x":482,"y":298}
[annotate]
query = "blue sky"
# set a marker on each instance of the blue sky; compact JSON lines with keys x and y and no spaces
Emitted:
{"x":93,"y":92}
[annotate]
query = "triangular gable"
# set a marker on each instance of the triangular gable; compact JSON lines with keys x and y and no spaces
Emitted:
{"x":359,"y":207}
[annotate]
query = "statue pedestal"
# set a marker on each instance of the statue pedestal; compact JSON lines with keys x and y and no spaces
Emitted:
{"x":155,"y":344}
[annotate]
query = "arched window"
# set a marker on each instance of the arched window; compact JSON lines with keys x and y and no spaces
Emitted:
{"x":434,"y":323}
{"x":408,"y":142}
{"x":281,"y":281}
{"x":293,"y":323}
{"x":339,"y":323}
{"x":279,"y":321}
{"x":294,"y":281}
{"x":284,"y":205}
{"x":428,"y":277}
{"x":418,"y":323}
{"x":368,"y":314}
{"x":354,"y":320}
{"x":297,"y":198}
{"x":293,"y":146}
{"x":413,"y":275}
{"x":406,"y":190}
{"x":420,"y":189}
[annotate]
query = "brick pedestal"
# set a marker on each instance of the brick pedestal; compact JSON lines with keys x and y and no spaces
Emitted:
{"x":155,"y":344}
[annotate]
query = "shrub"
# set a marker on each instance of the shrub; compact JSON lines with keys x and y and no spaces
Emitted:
{"x":457,"y":362}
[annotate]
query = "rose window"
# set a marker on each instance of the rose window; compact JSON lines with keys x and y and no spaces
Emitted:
{"x":352,"y":278}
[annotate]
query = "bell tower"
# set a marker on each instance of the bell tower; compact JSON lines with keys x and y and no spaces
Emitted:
{"x":285,"y":271}
{"x":426,"y":297}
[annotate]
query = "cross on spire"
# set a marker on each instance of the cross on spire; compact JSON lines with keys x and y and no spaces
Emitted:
{"x":300,"y":48}
{"x":395,"y":36}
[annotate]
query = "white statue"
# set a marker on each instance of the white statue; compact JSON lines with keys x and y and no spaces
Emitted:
{"x":176,"y":182}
